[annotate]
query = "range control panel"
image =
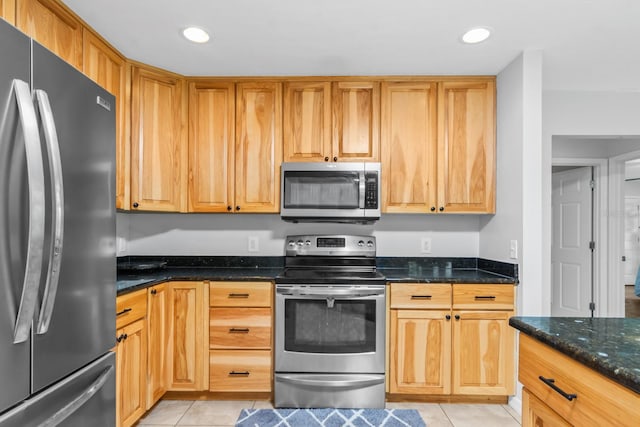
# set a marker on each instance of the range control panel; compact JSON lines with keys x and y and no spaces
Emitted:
{"x":330,"y":245}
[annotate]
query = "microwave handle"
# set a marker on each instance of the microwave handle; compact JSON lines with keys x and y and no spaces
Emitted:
{"x":362,"y":185}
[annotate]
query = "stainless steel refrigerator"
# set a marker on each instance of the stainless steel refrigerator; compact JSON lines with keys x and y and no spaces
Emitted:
{"x":57,"y":232}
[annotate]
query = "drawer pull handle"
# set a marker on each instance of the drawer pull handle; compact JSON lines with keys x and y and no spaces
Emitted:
{"x":238,"y":295}
{"x":126,"y":310}
{"x":551,"y":383}
{"x":420,"y":296}
{"x":238,"y":330}
{"x":485,"y":297}
{"x":239,"y":373}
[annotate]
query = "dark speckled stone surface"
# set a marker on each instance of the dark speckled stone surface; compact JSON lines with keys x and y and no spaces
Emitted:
{"x":137,"y":272}
{"x":610,"y":346}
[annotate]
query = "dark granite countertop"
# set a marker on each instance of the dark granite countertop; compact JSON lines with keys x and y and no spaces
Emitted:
{"x":610,"y":346}
{"x":137,"y":272}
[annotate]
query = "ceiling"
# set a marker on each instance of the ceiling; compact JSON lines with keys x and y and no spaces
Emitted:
{"x":586,"y":44}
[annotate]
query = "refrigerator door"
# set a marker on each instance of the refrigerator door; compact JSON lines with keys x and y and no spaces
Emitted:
{"x":86,"y":398}
{"x":79,"y":326}
{"x":14,"y":205}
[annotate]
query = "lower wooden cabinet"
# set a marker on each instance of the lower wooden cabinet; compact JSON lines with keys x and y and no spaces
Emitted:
{"x":240,"y":336}
{"x":131,"y":358}
{"x":187,"y":362}
{"x":157,"y":321}
{"x":451,"y":339}
{"x":546,"y":374}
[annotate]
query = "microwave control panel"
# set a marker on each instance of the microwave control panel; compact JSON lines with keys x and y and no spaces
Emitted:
{"x":371,"y":190}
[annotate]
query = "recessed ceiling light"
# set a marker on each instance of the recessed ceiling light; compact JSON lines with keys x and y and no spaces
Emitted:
{"x":195,"y":34}
{"x":476,"y":35}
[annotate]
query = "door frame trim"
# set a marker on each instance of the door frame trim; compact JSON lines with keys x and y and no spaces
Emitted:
{"x":600,"y":217}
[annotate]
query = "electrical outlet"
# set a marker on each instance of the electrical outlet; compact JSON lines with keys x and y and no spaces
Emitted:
{"x":513,"y":249}
{"x":252,"y":244}
{"x":425,"y":245}
{"x":121,"y":245}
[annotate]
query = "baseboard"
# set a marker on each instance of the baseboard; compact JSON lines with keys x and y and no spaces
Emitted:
{"x":438,"y":398}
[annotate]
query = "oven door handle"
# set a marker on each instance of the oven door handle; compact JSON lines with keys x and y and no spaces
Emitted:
{"x":352,"y":293}
{"x":346,"y":383}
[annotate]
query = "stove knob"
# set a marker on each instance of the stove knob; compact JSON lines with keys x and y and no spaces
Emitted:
{"x":291,"y":243}
{"x":361,"y":243}
{"x":370,"y":244}
{"x":308,"y":243}
{"x":300,"y":242}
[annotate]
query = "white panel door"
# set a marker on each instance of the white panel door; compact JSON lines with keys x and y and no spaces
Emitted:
{"x":570,"y":253}
{"x":631,"y":238}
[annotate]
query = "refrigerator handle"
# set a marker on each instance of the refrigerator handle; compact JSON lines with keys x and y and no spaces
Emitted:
{"x":35,"y":243}
{"x":57,"y":214}
{"x":71,"y":407}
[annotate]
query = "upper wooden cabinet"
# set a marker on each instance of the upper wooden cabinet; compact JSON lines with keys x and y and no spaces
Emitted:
{"x":211,"y":146}
{"x":258,"y":146}
{"x":408,"y":142}
{"x":8,"y":10}
{"x":158,"y":141}
{"x":106,"y":67}
{"x":438,"y":146}
{"x":466,"y":146}
{"x":331,"y":121}
{"x":54,"y":26}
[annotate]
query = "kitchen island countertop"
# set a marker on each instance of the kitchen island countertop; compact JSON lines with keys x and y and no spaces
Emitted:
{"x":610,"y":346}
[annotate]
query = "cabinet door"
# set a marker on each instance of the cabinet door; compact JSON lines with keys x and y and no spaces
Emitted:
{"x":106,"y":67}
{"x":188,"y":345}
{"x":131,"y":361}
{"x":54,"y":26}
{"x":483,"y":353}
{"x":258,"y":146}
{"x":211,"y":146}
{"x":356,"y":121}
{"x":408,"y":144}
{"x":307,"y":121}
{"x":536,"y":413}
{"x":8,"y":11}
{"x":157,"y":348}
{"x":420,"y":351}
{"x":466,"y":146}
{"x":158,"y":143}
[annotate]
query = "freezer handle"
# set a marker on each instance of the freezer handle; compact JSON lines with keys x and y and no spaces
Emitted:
{"x":57,"y":214}
{"x":77,"y":403}
{"x":35,"y":242}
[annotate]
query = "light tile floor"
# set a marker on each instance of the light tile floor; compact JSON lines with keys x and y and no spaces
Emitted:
{"x":218,"y":413}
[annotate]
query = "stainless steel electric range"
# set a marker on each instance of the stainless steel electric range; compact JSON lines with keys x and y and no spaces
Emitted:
{"x":330,"y":324}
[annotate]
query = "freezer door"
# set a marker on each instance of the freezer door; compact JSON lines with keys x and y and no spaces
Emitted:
{"x":82,"y":314}
{"x":14,"y":205}
{"x":86,"y":398}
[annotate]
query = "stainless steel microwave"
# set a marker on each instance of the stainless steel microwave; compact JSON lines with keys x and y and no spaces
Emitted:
{"x":330,"y":192}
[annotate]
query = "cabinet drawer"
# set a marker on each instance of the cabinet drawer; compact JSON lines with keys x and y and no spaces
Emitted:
{"x":240,"y":370}
{"x":131,"y":307}
{"x":600,"y":401}
{"x":240,"y":294}
{"x":483,"y":297}
{"x":240,"y":328}
{"x":420,"y":295}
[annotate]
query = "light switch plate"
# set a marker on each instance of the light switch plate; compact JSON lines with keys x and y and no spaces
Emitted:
{"x":425,"y":245}
{"x":252,"y":244}
{"x":513,"y":249}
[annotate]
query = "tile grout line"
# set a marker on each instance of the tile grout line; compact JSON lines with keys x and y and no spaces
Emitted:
{"x":185,"y":413}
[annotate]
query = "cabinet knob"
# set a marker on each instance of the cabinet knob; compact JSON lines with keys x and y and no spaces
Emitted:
{"x":229,"y":208}
{"x":457,"y":316}
{"x":335,"y":159}
{"x":448,"y":317}
{"x":441,"y":208}
{"x":326,"y":159}
{"x":153,"y":292}
{"x":433,"y":208}
{"x":135,"y":204}
{"x":237,"y":208}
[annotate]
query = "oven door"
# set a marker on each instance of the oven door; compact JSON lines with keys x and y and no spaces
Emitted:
{"x":330,"y":329}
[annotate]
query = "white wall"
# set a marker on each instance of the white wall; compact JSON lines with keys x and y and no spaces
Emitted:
{"x":225,"y":234}
{"x":518,"y":216}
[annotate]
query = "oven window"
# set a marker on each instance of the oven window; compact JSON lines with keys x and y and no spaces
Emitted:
{"x":312,"y":326}
{"x":321,"y":190}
